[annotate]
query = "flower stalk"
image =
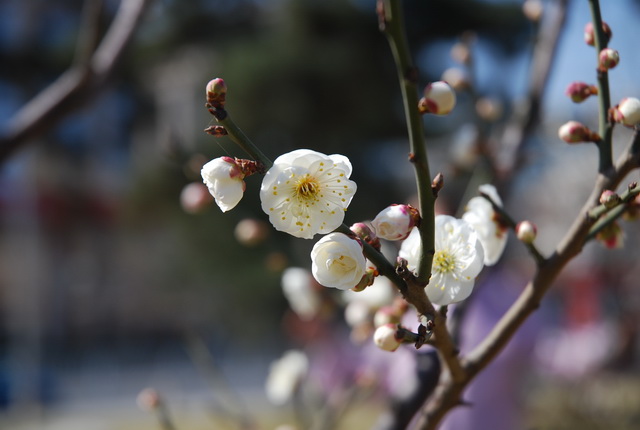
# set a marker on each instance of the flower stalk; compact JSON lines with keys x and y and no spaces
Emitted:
{"x":605,"y":126}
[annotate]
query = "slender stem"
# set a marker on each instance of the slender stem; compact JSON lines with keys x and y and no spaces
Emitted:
{"x":241,"y":139}
{"x":630,"y":193}
{"x":407,"y":74}
{"x":605,"y":126}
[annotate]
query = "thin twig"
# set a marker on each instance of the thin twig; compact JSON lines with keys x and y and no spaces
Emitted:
{"x":77,"y":85}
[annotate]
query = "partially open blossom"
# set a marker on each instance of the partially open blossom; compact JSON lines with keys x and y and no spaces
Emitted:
{"x":439,"y":99}
{"x":224,"y":178}
{"x":526,"y":231}
{"x":580,"y":91}
{"x":395,"y":222}
{"x":612,"y":236}
{"x":491,"y":232}
{"x":609,"y":198}
{"x":385,"y":337}
{"x":627,"y":112}
{"x":298,"y":288}
{"x":337,"y":261}
{"x":608,"y":59}
{"x":306,"y":192}
{"x":285,"y":376}
{"x":589,"y":34}
{"x":457,"y":261}
{"x":574,"y":132}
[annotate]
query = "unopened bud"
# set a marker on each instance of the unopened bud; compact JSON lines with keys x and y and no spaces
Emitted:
{"x":612,"y":236}
{"x":457,"y":78}
{"x":395,"y":222}
{"x":608,"y":59}
{"x":385,"y":337}
{"x":439,"y":99}
{"x":589,"y":34}
{"x":437,"y":184}
{"x":386,"y":315}
{"x":366,"y":234}
{"x":216,"y":131}
{"x":216,"y":92}
{"x":461,"y":53}
{"x":489,"y":109}
{"x":579,"y":91}
{"x":195,"y":197}
{"x":526,"y":231}
{"x":533,"y":9}
{"x":627,"y":112}
{"x":609,"y":199}
{"x":251,"y":232}
{"x":574,"y":132}
{"x":369,"y":276}
{"x":148,"y":399}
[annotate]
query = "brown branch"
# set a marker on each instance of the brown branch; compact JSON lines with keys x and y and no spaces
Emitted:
{"x":77,"y":85}
{"x":449,"y":391}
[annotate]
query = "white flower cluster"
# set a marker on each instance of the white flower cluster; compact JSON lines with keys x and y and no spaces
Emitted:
{"x":306,"y":192}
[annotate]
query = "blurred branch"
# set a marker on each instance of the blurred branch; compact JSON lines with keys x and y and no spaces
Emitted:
{"x":524,"y":120}
{"x":78,"y":84}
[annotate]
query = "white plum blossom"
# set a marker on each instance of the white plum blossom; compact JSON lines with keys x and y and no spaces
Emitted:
{"x":480,"y":214}
{"x":224,"y":179}
{"x":395,"y":222}
{"x":337,"y":261}
{"x":285,"y":376}
{"x":456,"y":263}
{"x":306,"y":192}
{"x":298,"y":288}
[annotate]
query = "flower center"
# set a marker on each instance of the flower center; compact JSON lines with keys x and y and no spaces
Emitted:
{"x":307,"y":187}
{"x":444,"y":262}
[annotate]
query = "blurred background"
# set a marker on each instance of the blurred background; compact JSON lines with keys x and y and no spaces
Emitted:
{"x":117,"y":271}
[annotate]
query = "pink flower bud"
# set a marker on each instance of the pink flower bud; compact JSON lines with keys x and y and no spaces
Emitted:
{"x":439,"y":99}
{"x":579,"y":91}
{"x":627,"y":112}
{"x":385,"y":337}
{"x":526,"y":231}
{"x":609,"y":198}
{"x":366,"y":234}
{"x":574,"y":132}
{"x":589,"y":34}
{"x":395,"y":222}
{"x":386,"y":315}
{"x":195,"y":197}
{"x":148,"y":399}
{"x":251,"y":232}
{"x":216,"y":92}
{"x":608,"y":59}
{"x":612,"y":236}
